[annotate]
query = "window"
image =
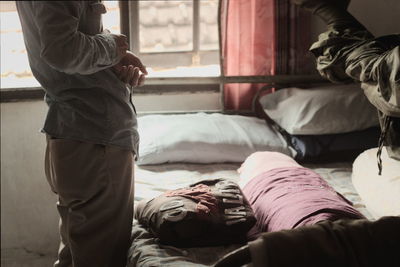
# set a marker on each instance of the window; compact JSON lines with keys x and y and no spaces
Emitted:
{"x":173,"y":38}
{"x":15,"y":70}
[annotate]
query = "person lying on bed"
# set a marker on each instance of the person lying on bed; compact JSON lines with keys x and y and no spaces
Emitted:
{"x":286,"y":195}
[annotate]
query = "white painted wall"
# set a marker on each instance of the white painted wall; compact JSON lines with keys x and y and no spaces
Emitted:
{"x":28,"y":214}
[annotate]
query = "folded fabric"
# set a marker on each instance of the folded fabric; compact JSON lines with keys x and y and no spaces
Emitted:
{"x":291,"y":196}
{"x":208,"y":213}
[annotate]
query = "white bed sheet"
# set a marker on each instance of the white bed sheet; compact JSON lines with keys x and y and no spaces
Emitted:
{"x":153,"y":180}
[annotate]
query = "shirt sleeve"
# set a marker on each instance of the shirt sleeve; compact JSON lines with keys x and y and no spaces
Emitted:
{"x":64,"y":47}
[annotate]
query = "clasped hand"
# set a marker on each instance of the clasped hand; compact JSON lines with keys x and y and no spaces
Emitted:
{"x":129,"y":69}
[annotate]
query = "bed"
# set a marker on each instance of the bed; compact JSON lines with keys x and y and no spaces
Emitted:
{"x":152,"y":180}
{"x":211,"y":146}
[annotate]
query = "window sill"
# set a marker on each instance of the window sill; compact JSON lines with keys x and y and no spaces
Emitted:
{"x":161,"y":85}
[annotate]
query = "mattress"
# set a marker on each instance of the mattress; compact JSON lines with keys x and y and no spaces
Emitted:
{"x":153,"y":180}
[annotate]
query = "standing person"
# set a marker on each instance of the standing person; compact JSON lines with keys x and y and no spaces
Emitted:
{"x":91,"y":126}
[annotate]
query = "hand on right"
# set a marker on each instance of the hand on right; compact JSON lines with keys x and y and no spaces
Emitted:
{"x":130,"y":70}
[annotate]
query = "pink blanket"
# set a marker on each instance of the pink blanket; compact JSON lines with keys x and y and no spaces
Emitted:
{"x":290,"y":195}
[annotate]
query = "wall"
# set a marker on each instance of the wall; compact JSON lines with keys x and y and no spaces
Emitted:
{"x":379,"y":17}
{"x":28,"y":218}
{"x":29,"y":221}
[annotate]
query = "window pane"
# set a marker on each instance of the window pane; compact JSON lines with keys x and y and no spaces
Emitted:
{"x":111,"y":19}
{"x":165,"y":26}
{"x":209,"y":25}
{"x":15,"y":70}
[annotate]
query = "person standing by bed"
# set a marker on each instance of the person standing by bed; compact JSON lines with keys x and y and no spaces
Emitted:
{"x":91,"y":126}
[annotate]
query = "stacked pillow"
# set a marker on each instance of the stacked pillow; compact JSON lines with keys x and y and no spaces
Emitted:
{"x":334,"y":120}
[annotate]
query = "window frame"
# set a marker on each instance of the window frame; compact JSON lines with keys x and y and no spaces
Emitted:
{"x":129,"y":17}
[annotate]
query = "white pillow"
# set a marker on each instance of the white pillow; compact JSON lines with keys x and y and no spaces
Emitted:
{"x":380,"y":193}
{"x":324,"y":110}
{"x":205,"y":138}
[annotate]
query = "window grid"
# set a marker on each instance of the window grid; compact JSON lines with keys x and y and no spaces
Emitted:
{"x":129,"y":14}
{"x":130,"y":17}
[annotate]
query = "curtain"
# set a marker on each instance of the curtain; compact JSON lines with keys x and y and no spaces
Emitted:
{"x":248,"y":46}
{"x":293,"y":39}
{"x":261,"y":37}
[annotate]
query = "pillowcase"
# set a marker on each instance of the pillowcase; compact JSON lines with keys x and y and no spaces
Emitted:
{"x":334,"y":147}
{"x":323,"y":110}
{"x":380,"y":193}
{"x":205,"y":138}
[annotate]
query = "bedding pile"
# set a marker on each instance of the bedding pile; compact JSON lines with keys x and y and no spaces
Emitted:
{"x":178,"y":154}
{"x":152,"y":180}
{"x":335,"y":122}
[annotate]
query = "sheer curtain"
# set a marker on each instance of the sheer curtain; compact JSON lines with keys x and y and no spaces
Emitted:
{"x":261,"y":37}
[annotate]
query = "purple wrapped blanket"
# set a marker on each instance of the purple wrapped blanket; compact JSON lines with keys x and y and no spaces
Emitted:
{"x":287,"y":198}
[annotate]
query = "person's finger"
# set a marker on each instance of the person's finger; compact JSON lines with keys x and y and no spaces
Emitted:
{"x":142,"y":68}
{"x":129,"y":74}
{"x":135,"y":78}
{"x":142,"y":77}
{"x":123,"y":74}
{"x":140,"y":65}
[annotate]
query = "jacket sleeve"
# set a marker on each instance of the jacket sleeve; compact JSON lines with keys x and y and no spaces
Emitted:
{"x":377,"y":65}
{"x":64,"y":47}
{"x":340,"y":243}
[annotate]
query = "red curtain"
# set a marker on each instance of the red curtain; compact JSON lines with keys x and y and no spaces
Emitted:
{"x":261,"y":37}
{"x":248,"y":46}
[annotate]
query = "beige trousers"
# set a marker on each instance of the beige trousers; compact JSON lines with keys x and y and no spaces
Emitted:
{"x":94,"y":184}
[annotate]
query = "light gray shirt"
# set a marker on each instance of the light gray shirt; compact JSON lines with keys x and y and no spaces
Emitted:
{"x":71,"y":57}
